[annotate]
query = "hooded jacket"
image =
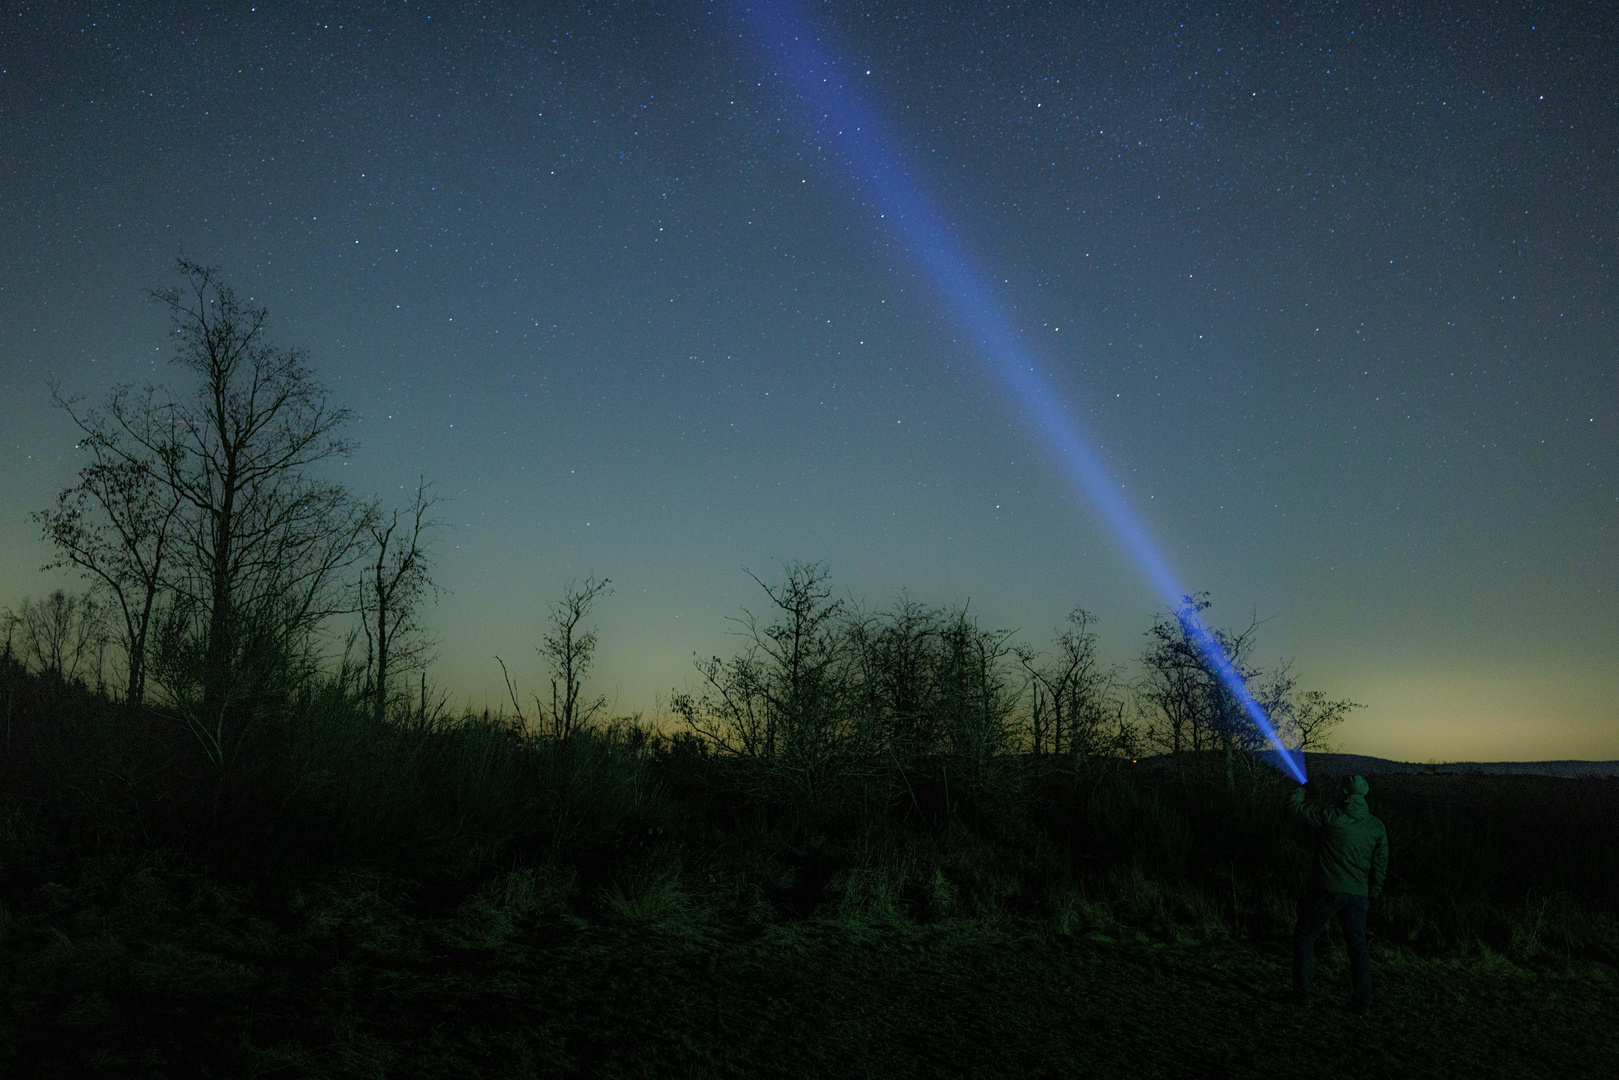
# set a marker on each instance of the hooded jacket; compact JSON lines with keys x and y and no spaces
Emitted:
{"x":1352,"y":847}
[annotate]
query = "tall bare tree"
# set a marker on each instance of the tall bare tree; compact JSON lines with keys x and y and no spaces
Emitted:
{"x":569,"y":649}
{"x":896,"y":657}
{"x":116,"y":525}
{"x":1190,"y":707}
{"x":805,"y":649}
{"x":202,"y":511}
{"x":975,"y":689}
{"x":1072,"y":688}
{"x":265,"y":539}
{"x":788,"y":696}
{"x":391,"y":592}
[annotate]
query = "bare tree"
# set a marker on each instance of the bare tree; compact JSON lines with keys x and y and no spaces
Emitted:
{"x":1171,"y":689}
{"x":1304,"y":718}
{"x":201,"y":514}
{"x":264,"y":540}
{"x":391,"y":592}
{"x":783,"y":697}
{"x":115,"y":525}
{"x":922,"y":681}
{"x":896,"y":656}
{"x":975,"y":690}
{"x":1072,"y":689}
{"x":569,"y":649}
{"x":59,"y":636}
{"x":730,"y":711}
{"x":1195,"y":709}
{"x":804,"y":654}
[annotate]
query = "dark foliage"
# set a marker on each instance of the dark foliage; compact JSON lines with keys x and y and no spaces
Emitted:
{"x":160,"y":917}
{"x":323,"y":786}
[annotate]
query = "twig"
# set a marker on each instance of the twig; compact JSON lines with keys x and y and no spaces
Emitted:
{"x":512,"y":691}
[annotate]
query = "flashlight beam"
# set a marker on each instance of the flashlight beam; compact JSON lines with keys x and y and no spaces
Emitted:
{"x":845,"y":121}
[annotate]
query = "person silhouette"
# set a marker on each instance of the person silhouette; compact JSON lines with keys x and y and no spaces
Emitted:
{"x":1350,"y":865}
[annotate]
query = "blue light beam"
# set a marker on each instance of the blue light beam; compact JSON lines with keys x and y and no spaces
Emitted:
{"x":842,"y":118}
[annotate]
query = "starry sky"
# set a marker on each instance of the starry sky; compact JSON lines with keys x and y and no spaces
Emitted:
{"x":1330,"y":287}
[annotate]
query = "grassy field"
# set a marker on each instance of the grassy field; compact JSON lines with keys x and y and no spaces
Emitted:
{"x":157,"y":973}
{"x":452,"y":899}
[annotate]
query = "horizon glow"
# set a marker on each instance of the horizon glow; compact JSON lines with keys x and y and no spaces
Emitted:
{"x":842,"y":119}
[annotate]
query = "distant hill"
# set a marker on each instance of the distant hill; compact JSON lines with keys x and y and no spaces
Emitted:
{"x":1348,"y":764}
{"x":1334,"y":765}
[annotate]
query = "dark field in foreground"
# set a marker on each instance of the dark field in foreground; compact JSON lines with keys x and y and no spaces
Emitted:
{"x":451,"y":898}
{"x":353,"y":979}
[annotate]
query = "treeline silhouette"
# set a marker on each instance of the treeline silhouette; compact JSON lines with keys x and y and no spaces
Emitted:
{"x":245,"y":688}
{"x":668,"y":828}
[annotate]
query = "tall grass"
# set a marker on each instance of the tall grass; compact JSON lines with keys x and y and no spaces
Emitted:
{"x":618,"y":823}
{"x":319,"y":783}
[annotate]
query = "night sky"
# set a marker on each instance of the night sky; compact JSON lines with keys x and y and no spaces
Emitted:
{"x":1329,"y":286}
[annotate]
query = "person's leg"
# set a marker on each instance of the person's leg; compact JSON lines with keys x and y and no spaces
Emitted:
{"x":1315,"y":908}
{"x":1352,"y":917}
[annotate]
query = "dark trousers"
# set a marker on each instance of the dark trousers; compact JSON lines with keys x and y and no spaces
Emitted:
{"x":1316,"y":907}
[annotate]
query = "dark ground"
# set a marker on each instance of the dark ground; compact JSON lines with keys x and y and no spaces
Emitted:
{"x":411,"y":899}
{"x":159,"y":974}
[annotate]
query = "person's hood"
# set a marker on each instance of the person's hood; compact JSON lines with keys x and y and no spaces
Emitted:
{"x":1354,"y":800}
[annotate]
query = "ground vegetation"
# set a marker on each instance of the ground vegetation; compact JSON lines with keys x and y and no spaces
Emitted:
{"x":434,"y":892}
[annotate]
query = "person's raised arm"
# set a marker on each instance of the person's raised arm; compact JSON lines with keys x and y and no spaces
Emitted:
{"x":1310,"y":815}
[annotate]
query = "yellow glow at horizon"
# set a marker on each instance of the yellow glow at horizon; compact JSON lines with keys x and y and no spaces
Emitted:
{"x":1500,"y":715}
